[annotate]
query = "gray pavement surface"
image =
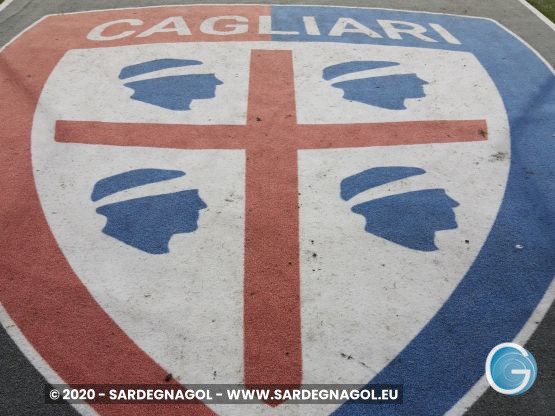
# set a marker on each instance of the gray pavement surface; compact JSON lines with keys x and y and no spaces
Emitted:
{"x":22,"y":387}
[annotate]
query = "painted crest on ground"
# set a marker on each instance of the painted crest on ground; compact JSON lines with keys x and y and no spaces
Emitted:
{"x":276,"y":194}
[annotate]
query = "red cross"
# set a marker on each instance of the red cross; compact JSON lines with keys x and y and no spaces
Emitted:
{"x":271,"y":139}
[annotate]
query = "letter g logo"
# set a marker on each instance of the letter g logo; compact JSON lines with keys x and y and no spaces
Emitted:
{"x":510,"y":369}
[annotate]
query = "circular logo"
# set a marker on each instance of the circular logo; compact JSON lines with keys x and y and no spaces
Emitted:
{"x":511,"y":369}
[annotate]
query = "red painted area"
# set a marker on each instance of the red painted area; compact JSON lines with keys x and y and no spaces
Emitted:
{"x":272,"y":315}
{"x":271,"y":138}
{"x":38,"y":288}
{"x":313,"y":136}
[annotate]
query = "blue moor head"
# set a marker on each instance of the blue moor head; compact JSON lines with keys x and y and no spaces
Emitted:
{"x":173,"y":92}
{"x":410,"y":219}
{"x":148,"y":223}
{"x":387,"y":91}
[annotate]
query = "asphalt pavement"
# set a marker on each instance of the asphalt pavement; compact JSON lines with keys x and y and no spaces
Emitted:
{"x":21,"y":385}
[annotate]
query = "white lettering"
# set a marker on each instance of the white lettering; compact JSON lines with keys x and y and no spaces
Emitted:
{"x":96,"y":33}
{"x":236,"y":25}
{"x":340,"y":27}
{"x":412,"y":29}
{"x":176,"y":24}
{"x":441,"y":31}
{"x":241,"y":25}
{"x":310,"y":26}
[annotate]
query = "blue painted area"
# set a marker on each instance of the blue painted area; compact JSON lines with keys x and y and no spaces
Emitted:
{"x":148,"y":223}
{"x":370,"y":178}
{"x":175,"y":92}
{"x":410,"y":219}
{"x":155,"y":65}
{"x":389,"y":91}
{"x":503,"y":286}
{"x":334,"y":71}
{"x":131,"y":179}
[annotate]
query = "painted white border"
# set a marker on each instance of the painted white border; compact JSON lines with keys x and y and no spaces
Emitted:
{"x":5,"y":4}
{"x":468,"y":399}
{"x":36,"y":360}
{"x":539,"y":14}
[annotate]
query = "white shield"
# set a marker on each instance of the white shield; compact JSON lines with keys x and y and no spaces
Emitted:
{"x":363,"y":298}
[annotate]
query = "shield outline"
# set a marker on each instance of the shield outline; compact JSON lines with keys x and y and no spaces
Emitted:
{"x":24,"y":183}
